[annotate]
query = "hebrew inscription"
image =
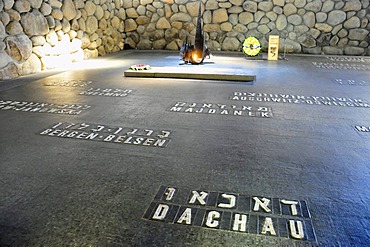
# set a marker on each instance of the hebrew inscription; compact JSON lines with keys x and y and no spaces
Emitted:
{"x":222,"y":109}
{"x":278,"y":217}
{"x":108,"y":92}
{"x":363,"y":130}
{"x":349,"y":59}
{"x":69,"y":83}
{"x":103,"y":133}
{"x":352,"y":82}
{"x":340,"y":66}
{"x":299,"y":99}
{"x":25,"y":106}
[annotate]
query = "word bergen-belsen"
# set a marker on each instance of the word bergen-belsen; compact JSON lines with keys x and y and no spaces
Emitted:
{"x":233,"y":212}
{"x":120,"y":135}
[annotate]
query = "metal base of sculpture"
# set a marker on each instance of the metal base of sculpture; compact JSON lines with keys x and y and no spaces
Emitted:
{"x":195,"y":54}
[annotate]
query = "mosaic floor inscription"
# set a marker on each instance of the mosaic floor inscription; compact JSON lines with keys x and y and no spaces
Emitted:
{"x":25,"y":106}
{"x":103,"y":133}
{"x":222,"y":109}
{"x":233,"y":212}
{"x":69,"y":83}
{"x":298,"y":99}
{"x":107,"y":92}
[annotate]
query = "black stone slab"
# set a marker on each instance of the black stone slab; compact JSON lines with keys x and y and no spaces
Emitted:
{"x":75,"y":192}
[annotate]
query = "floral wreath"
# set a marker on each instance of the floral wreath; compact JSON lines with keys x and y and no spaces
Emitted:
{"x":140,"y":67}
{"x":251,"y":46}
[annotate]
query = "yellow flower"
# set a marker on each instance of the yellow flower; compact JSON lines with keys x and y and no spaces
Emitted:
{"x":251,"y":46}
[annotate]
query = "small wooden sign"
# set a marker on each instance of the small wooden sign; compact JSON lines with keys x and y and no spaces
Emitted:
{"x":273,"y":51}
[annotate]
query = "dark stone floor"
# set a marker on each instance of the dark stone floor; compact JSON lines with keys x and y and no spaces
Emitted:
{"x":91,"y":158}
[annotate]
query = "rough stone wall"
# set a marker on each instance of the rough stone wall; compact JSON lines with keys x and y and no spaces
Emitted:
{"x":42,"y":34}
{"x":306,"y":26}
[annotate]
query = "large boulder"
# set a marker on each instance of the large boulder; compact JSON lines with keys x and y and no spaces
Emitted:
{"x":180,"y":17}
{"x":31,"y":65}
{"x":91,"y":24}
{"x":4,"y":58}
{"x":336,"y":17}
{"x":34,"y":23}
{"x":69,"y":10}
{"x":144,"y":45}
{"x":246,"y":18}
{"x":250,"y":6}
{"x":22,"y":6}
{"x":314,"y":6}
{"x":231,"y":44}
{"x":358,"y":34}
{"x":331,"y":50}
{"x":354,"y":51}
{"x":281,"y":22}
{"x":35,"y":4}
{"x":219,"y":16}
{"x":265,"y":6}
{"x":10,"y":71}
{"x":163,"y":23}
{"x":354,"y":5}
{"x":14,"y":28}
{"x":309,"y":19}
{"x":353,"y":22}
{"x":18,"y":47}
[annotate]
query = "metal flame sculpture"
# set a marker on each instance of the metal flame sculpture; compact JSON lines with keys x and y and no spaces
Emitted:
{"x":196,"y":53}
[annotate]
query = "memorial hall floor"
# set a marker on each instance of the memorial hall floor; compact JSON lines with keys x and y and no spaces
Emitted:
{"x":90,"y":157}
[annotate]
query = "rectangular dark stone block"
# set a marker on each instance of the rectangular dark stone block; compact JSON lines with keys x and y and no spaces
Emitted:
{"x":283,"y":228}
{"x":185,"y":215}
{"x":226,"y":220}
{"x":291,"y":207}
{"x":240,"y":222}
{"x":305,"y":211}
{"x":198,"y":197}
{"x":253,"y":224}
{"x":224,"y":200}
{"x":299,"y":229}
{"x":244,"y":203}
{"x":212,"y":219}
{"x":268,"y":226}
{"x":276,"y":207}
{"x":198,"y":220}
{"x":162,"y":212}
{"x":149,"y":212}
{"x":212,"y":199}
{"x":262,"y":204}
{"x":159,"y":195}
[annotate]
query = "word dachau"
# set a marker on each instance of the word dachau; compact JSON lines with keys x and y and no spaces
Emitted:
{"x":233,"y":212}
{"x":103,"y":133}
{"x":222,"y":109}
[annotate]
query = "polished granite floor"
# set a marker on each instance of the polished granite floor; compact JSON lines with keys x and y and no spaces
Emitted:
{"x":89,"y":157}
